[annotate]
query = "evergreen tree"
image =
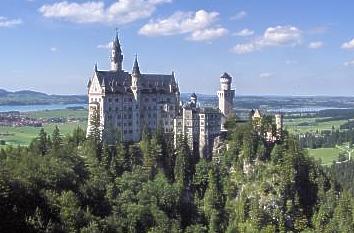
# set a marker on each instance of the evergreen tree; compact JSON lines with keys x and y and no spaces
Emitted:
{"x":43,"y":142}
{"x":214,"y":201}
{"x":56,"y":140}
{"x":95,"y":134}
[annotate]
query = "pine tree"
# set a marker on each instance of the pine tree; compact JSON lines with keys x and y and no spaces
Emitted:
{"x":78,"y":136}
{"x":95,"y":134}
{"x":43,"y":142}
{"x":214,"y":201}
{"x":183,"y":165}
{"x":56,"y":140}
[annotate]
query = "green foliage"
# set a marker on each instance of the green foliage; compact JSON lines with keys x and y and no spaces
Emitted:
{"x":73,"y":184}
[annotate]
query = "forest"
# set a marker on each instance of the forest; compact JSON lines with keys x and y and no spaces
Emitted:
{"x":77,"y":184}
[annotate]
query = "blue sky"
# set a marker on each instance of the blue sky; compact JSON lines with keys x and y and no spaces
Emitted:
{"x":270,"y":47}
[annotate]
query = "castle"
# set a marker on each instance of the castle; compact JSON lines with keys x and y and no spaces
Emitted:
{"x":128,"y":103}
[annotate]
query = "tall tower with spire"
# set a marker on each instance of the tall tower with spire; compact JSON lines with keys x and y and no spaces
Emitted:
{"x":226,"y":96}
{"x":117,"y":56}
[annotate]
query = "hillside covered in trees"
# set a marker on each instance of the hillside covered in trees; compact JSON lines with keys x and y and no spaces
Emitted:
{"x":74,"y":184}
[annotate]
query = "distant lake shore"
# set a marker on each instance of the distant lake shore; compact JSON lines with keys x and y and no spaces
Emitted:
{"x":38,"y":107}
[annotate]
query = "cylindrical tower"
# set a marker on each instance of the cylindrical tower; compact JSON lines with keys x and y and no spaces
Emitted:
{"x":226,"y":95}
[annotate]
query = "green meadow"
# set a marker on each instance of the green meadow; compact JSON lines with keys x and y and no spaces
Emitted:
{"x":310,"y":125}
{"x":326,"y":155}
{"x":25,"y":134}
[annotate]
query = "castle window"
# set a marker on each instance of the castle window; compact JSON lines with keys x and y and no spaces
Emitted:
{"x":117,"y":100}
{"x":109,"y":100}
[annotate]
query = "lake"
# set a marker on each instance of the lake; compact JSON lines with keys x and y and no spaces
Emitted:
{"x":34,"y":108}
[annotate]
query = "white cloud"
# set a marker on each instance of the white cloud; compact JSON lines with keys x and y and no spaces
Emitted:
{"x":108,"y":45}
{"x":244,"y":32}
{"x":199,"y":24}
{"x":245,"y":48}
{"x":239,"y":15}
{"x":282,"y":35}
{"x":120,"y":12}
{"x":265,"y":75}
{"x":179,"y":23}
{"x":208,"y":34}
{"x":349,"y":63}
{"x":53,"y":49}
{"x":7,"y":23}
{"x":273,"y":36}
{"x":348,"y":45}
{"x":316,"y":45}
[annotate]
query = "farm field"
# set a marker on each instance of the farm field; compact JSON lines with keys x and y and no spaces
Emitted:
{"x":61,"y":113}
{"x":309,"y":125}
{"x":24,"y":135}
{"x":326,"y":155}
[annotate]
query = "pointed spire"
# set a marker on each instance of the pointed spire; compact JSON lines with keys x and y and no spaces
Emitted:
{"x":116,"y":43}
{"x":95,"y":67}
{"x":117,"y":56}
{"x":136,"y":69}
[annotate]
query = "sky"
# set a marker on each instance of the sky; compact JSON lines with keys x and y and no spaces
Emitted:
{"x":272,"y":47}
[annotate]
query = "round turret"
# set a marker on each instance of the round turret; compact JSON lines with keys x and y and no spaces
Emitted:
{"x":225,"y":81}
{"x":194,"y":98}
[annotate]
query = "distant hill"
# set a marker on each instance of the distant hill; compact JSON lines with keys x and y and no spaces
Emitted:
{"x":27,"y":97}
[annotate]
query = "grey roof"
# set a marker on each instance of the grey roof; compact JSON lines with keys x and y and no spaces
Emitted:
{"x":120,"y":81}
{"x":226,"y":76}
{"x":116,"y":43}
{"x":136,"y":69}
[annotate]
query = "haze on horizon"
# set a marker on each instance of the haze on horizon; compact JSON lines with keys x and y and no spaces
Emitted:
{"x":270,"y":48}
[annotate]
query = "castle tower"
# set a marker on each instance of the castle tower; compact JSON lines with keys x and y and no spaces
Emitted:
{"x":226,"y":95}
{"x":194,"y":100}
{"x":136,"y":75}
{"x":279,"y":122}
{"x":117,"y":56}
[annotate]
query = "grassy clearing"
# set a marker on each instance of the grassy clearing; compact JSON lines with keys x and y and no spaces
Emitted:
{"x":296,"y":126}
{"x":326,"y":155}
{"x":24,"y":135}
{"x":60,"y":113}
